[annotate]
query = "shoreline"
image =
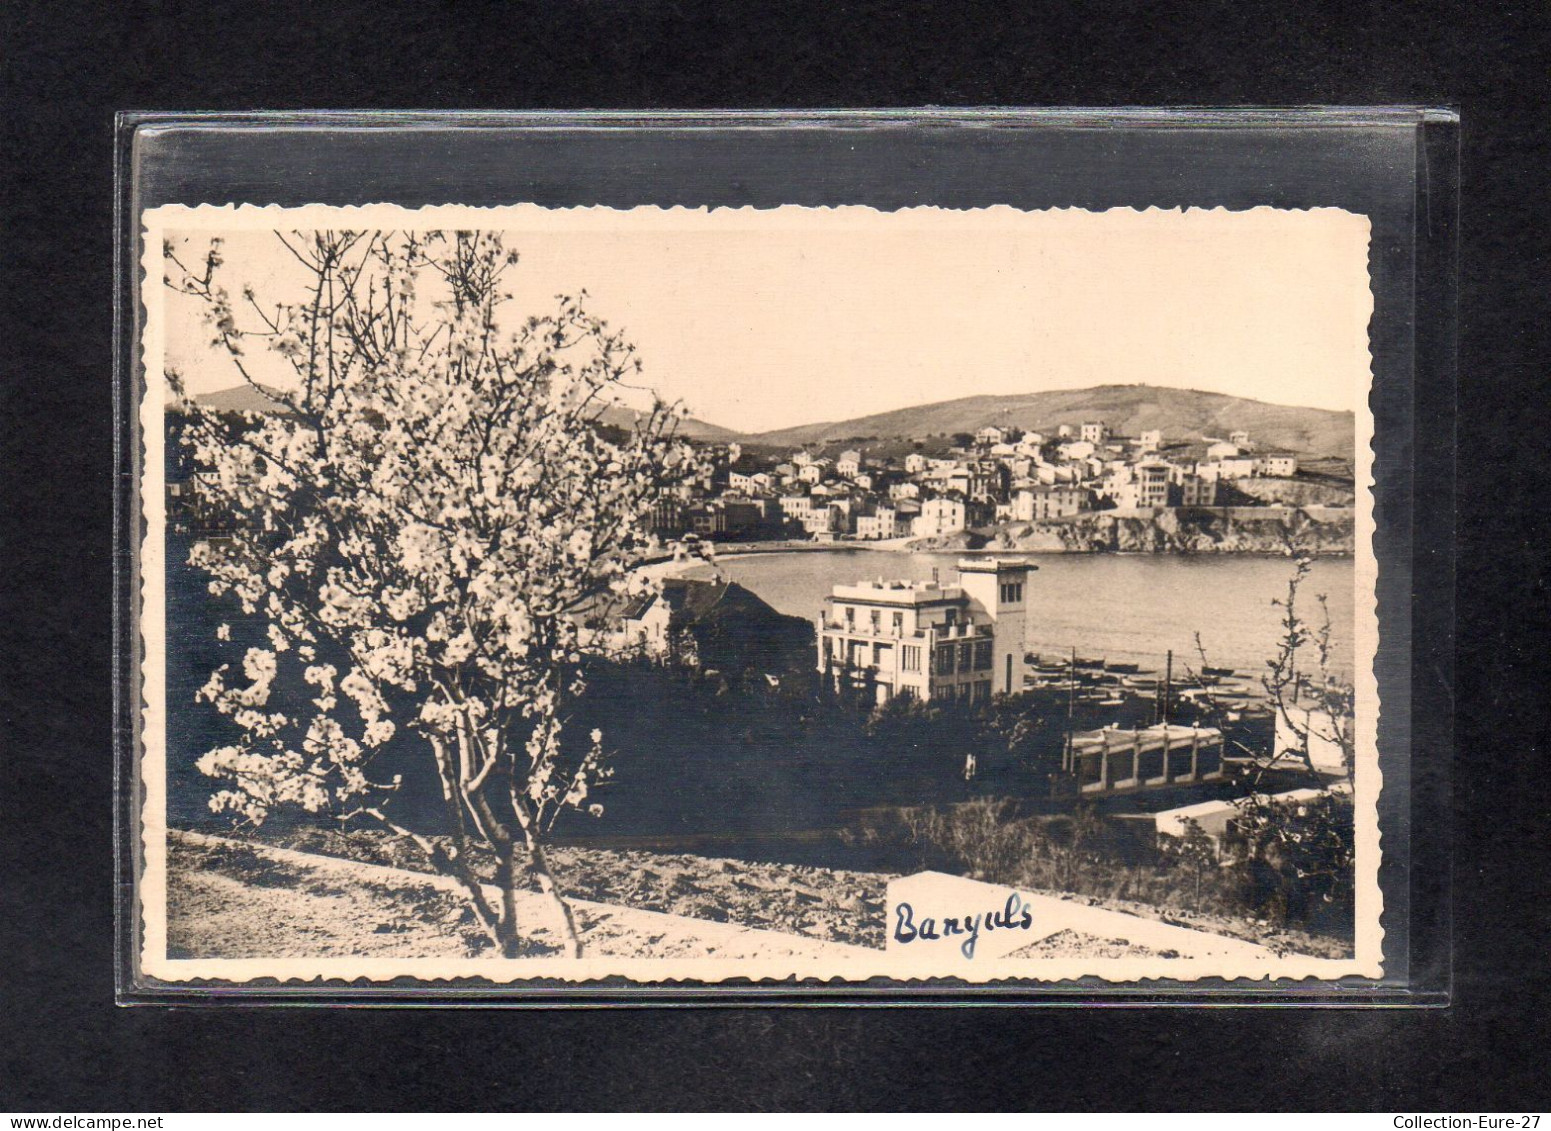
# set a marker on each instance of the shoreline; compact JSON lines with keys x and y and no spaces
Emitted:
{"x":898,"y":545}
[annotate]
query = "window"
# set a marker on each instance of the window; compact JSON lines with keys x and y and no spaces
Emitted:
{"x":945,"y":660}
{"x":910,"y":658}
{"x":966,"y":655}
{"x":899,"y":623}
{"x":950,"y":616}
{"x":1012,"y":592}
{"x":876,"y":618}
{"x":850,"y":617}
{"x":983,"y":658}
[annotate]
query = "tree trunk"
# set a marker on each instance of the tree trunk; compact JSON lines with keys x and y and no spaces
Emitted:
{"x":510,"y":877}
{"x":546,"y":877}
{"x":451,"y":862}
{"x":456,"y":860}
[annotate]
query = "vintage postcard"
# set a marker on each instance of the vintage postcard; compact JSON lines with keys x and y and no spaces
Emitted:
{"x":696,"y":595}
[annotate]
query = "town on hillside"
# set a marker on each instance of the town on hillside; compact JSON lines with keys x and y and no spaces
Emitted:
{"x":942,"y":488}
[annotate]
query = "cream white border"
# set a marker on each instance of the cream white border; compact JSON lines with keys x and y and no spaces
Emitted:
{"x":151,"y":885}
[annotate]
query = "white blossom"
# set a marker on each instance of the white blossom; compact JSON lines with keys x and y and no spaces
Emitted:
{"x":427,"y":518}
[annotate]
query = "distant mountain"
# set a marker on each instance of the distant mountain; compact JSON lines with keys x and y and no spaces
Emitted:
{"x":1181,"y":414}
{"x":689,"y":427}
{"x":245,"y":398}
{"x":241,"y":398}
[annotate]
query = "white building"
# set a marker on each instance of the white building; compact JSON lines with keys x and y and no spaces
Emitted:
{"x":848,"y":464}
{"x":1095,"y":431}
{"x":1222,"y":449}
{"x":1077,"y":449}
{"x":989,"y":435}
{"x":930,"y":641}
{"x":1150,"y":440}
{"x":1328,"y":738}
{"x":940,"y":516}
{"x":795,"y":507}
{"x":1233,"y":467}
{"x":1040,"y":504}
{"x":1193,"y":491}
{"x":826,"y":521}
{"x":883,"y":522}
{"x":1283,"y":465}
{"x":1152,"y":478}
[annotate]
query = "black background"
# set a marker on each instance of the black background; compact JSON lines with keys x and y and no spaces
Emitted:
{"x":1377,"y":170}
{"x":67,"y":68}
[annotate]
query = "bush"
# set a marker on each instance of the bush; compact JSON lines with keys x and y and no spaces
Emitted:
{"x":1289,"y":869}
{"x":1299,"y":859}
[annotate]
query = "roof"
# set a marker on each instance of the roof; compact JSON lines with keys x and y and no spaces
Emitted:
{"x":636,"y":607}
{"x":691,"y":601}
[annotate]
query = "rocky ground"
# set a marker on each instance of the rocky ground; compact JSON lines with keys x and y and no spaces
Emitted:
{"x":820,"y":903}
{"x":1265,"y":530}
{"x":1282,"y":940}
{"x":828,"y":905}
{"x":1076,"y":944}
{"x":233,"y":902}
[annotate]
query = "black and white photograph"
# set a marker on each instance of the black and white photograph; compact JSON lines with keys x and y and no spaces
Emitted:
{"x":799,"y":593}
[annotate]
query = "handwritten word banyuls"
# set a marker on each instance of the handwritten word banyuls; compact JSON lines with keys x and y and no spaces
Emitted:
{"x":1014,"y":917}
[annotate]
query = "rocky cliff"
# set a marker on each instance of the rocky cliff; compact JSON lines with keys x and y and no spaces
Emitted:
{"x":1219,"y":530}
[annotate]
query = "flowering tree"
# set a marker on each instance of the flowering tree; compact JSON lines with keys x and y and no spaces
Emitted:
{"x":1316,"y":705}
{"x":1300,"y":852}
{"x":1313,"y":705}
{"x":419,"y":522}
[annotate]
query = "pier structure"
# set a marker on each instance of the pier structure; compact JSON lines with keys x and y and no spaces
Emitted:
{"x":1111,"y":761}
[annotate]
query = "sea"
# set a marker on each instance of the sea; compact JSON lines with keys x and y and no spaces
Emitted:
{"x":1125,"y":608}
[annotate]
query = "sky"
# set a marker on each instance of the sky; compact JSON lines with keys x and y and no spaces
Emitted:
{"x":766,"y":319}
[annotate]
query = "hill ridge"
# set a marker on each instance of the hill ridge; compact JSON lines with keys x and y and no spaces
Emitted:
{"x":1180,"y":414}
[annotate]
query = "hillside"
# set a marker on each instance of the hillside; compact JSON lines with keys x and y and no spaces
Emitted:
{"x":689,"y":427}
{"x":1182,"y":414}
{"x":245,"y":398}
{"x":239,"y":398}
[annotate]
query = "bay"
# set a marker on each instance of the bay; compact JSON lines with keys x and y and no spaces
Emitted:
{"x":1130,"y":608}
